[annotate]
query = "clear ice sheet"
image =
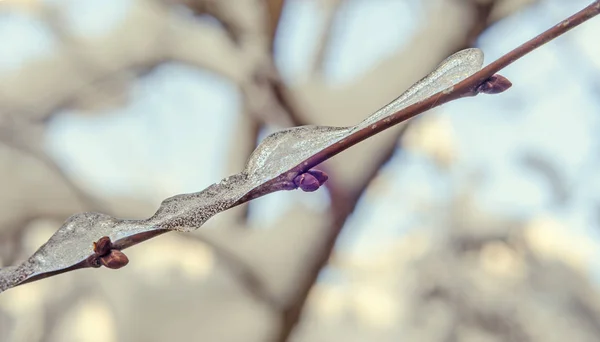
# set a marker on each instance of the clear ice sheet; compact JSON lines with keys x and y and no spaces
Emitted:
{"x":283,"y":150}
{"x":449,"y":72}
{"x":277,"y":154}
{"x":71,"y":244}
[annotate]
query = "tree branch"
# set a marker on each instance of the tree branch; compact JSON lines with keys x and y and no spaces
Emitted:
{"x":175,"y":212}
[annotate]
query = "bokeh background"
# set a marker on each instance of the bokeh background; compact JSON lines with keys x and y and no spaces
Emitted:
{"x":476,"y":221}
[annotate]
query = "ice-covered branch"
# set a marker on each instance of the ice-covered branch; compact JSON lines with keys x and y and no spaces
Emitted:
{"x":280,"y":162}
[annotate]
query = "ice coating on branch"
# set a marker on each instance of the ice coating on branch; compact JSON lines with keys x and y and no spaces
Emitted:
{"x":283,"y":150}
{"x":187,"y":212}
{"x":71,"y":244}
{"x":276,"y":155}
{"x":449,"y":72}
{"x":11,"y":276}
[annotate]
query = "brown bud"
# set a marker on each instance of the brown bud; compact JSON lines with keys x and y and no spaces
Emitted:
{"x":307,"y":182}
{"x":114,"y":260}
{"x":494,"y":85}
{"x":94,"y":261}
{"x":103,"y":245}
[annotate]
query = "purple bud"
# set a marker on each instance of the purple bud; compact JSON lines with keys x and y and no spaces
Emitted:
{"x":321,"y":176}
{"x":103,"y":245}
{"x":307,"y":182}
{"x":114,"y":260}
{"x":494,"y":85}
